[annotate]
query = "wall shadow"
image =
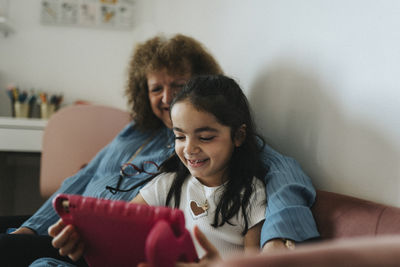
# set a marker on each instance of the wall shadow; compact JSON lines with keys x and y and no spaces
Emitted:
{"x":301,"y":117}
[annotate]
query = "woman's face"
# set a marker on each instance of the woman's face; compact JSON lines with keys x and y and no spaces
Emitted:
{"x":162,"y":89}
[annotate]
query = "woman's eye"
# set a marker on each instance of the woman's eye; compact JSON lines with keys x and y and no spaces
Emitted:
{"x":156,"y":89}
{"x":179,"y":137}
{"x":207,"y":138}
{"x":178,"y":85}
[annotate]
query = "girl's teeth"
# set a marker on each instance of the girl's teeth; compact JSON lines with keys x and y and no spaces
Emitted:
{"x":196,"y":161}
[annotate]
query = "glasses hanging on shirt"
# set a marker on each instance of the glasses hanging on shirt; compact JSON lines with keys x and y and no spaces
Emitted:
{"x":129,"y":170}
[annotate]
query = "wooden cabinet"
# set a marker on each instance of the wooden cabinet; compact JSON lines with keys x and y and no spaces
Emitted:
{"x":20,"y":147}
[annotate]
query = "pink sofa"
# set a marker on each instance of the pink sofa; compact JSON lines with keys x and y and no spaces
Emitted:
{"x":341,"y":216}
{"x":354,"y":232}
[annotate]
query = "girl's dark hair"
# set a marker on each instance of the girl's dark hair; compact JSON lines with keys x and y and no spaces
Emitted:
{"x":178,"y":55}
{"x":222,"y":97}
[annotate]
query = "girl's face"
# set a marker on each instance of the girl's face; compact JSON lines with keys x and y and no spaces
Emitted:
{"x":162,"y":89}
{"x":203,"y":144}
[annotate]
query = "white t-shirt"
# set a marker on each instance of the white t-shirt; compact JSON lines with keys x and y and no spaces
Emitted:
{"x":227,"y":238}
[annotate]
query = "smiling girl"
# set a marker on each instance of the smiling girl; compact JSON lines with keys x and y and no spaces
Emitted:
{"x":213,"y":175}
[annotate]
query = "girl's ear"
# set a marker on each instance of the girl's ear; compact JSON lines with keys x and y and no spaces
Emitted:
{"x":240,"y":135}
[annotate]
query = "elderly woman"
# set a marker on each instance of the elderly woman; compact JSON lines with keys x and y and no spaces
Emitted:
{"x":158,"y":70}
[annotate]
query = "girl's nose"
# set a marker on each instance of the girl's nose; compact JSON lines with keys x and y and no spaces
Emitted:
{"x":191,"y":148}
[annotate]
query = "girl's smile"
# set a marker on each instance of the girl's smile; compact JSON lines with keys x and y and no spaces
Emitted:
{"x":197,"y":163}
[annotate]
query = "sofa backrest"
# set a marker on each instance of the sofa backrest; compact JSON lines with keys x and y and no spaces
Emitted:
{"x":340,"y":216}
{"x":73,"y":136}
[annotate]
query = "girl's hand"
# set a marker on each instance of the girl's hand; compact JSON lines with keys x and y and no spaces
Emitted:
{"x":67,"y":240}
{"x":211,"y":256}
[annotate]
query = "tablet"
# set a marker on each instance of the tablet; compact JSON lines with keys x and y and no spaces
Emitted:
{"x":118,"y":233}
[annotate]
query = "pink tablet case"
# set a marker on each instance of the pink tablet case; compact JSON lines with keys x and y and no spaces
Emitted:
{"x":117,"y":233}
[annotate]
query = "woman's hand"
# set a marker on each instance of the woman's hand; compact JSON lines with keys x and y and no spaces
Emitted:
{"x":274,"y":245}
{"x":67,"y":240}
{"x":24,"y":230}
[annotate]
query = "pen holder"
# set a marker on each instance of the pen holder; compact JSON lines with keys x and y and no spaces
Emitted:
{"x":46,"y":110}
{"x":21,"y":109}
{"x":34,"y":110}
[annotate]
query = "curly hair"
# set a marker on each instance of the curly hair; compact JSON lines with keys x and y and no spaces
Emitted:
{"x":179,"y":55}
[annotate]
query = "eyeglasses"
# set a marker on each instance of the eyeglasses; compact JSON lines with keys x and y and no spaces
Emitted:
{"x":129,"y":170}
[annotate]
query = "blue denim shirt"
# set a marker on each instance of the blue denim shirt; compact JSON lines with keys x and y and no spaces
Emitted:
{"x":290,"y":193}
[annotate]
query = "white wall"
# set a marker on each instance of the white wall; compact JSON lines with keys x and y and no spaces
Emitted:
{"x":322,"y":76}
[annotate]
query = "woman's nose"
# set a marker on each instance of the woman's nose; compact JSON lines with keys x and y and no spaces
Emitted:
{"x":168,"y":95}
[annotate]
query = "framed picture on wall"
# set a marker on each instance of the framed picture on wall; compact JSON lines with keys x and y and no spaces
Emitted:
{"x":69,"y":12}
{"x":88,"y":13}
{"x":111,"y":14}
{"x":49,"y":11}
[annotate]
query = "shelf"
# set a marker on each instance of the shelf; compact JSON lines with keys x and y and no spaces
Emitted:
{"x":22,"y":123}
{"x":21,"y":135}
{"x":5,"y":27}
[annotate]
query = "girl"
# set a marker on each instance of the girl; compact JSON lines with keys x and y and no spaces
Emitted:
{"x":212,"y":176}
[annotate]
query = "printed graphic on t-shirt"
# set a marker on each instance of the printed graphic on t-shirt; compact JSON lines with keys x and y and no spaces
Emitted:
{"x":197,"y":210}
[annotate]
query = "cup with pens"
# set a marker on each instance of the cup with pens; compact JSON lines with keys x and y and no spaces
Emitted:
{"x":49,"y":105}
{"x":32,"y":105}
{"x":20,"y":106}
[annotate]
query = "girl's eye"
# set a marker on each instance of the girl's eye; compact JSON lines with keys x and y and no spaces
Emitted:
{"x":179,"y":137}
{"x":207,"y":138}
